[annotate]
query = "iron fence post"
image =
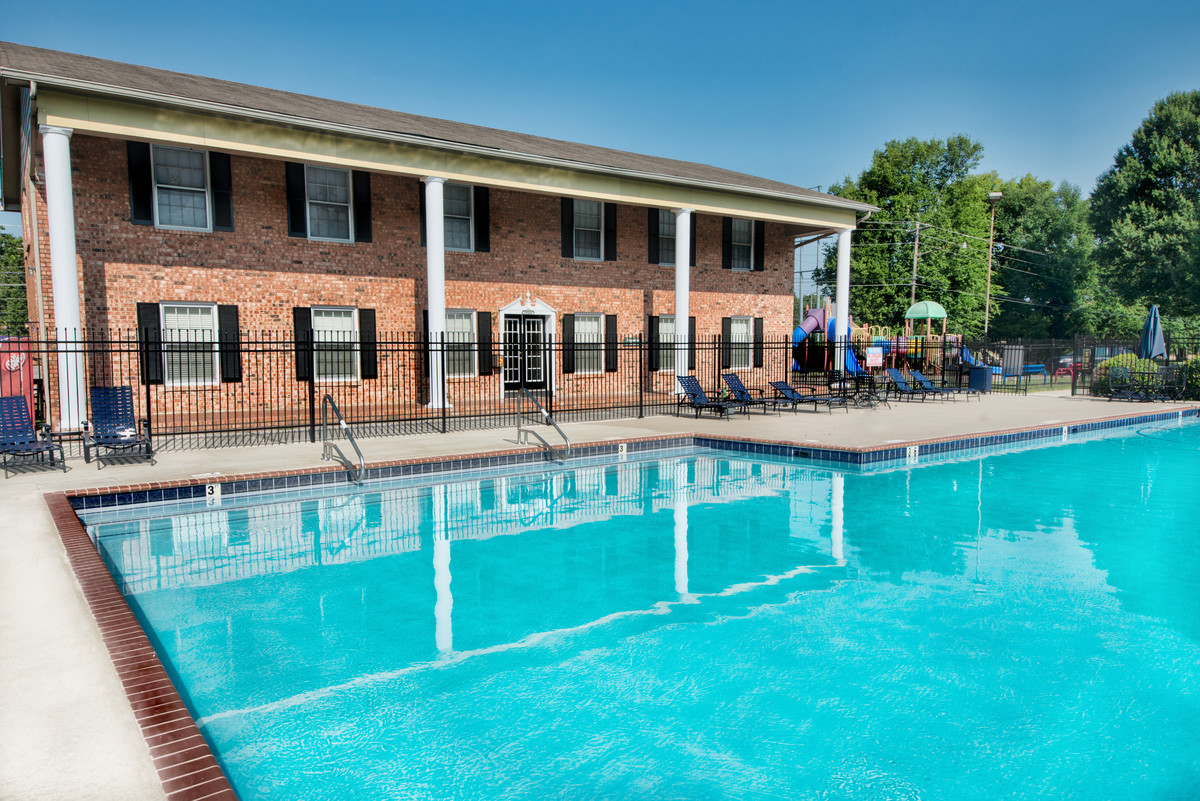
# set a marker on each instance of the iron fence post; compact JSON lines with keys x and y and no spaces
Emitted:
{"x":445,"y":381}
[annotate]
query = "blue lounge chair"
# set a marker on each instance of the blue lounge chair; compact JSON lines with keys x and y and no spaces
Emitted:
{"x":114,"y":425}
{"x":900,"y":386}
{"x":19,"y":437}
{"x":942,"y":392}
{"x":699,"y":401}
{"x":789,"y":394}
{"x":741,"y":394}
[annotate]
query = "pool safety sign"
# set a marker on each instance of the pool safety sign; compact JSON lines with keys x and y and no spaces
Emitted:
{"x":874,"y":357}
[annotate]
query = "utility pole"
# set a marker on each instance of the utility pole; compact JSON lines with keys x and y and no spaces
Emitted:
{"x":916,"y":250}
{"x":993,"y":198}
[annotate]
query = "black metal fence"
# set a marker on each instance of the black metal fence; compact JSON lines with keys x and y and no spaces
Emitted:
{"x":267,"y":387}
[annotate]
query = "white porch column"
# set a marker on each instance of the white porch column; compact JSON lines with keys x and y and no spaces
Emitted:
{"x":842,"y":298}
{"x":683,"y":280}
{"x":64,"y":274}
{"x":435,"y":282}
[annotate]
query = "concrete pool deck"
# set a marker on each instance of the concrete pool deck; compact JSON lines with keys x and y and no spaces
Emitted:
{"x":66,"y":727}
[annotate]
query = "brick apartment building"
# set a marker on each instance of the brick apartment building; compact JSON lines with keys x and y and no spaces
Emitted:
{"x":192,"y":209}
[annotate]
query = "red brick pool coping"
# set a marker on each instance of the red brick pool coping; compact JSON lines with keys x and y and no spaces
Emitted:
{"x":186,"y":765}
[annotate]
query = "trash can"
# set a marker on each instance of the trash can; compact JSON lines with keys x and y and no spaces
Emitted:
{"x":980,"y":379}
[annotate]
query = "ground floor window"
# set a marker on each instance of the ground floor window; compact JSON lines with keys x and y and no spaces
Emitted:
{"x":460,"y":343}
{"x":666,"y":338}
{"x":741,"y":339}
{"x":335,"y":341}
{"x":189,"y":343}
{"x":589,"y":335}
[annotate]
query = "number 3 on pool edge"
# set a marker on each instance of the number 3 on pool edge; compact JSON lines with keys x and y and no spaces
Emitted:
{"x":212,"y":494}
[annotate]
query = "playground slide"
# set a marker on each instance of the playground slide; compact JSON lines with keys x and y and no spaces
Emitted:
{"x":814,"y":320}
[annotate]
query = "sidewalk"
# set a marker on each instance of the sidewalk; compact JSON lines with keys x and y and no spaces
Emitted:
{"x":66,"y":730}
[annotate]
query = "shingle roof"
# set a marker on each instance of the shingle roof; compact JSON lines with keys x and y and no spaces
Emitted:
{"x":84,"y":73}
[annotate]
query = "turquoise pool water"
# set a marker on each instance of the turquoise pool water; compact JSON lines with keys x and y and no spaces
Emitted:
{"x":1025,"y":625}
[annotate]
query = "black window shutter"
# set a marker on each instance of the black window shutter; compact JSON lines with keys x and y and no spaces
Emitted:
{"x":150,"y":343}
{"x":421,"y":206}
{"x":229,"y":344}
{"x":726,"y":344}
{"x":362,"y":205}
{"x":760,"y":249}
{"x":652,"y":254}
{"x":610,"y":343}
{"x":220,"y":178}
{"x":568,"y":228}
{"x":692,"y":235}
{"x":483,"y":225}
{"x":302,"y":326}
{"x":727,"y":243}
{"x":368,"y":350}
{"x":425,"y":352}
{"x":758,"y":342}
{"x":654,"y":346}
{"x":610,"y":231}
{"x":568,"y":343}
{"x":141,"y":184}
{"x":691,"y":343}
{"x":297,"y":203}
{"x":483,"y":336}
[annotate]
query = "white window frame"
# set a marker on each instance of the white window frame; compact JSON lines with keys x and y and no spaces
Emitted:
{"x":166,"y":350}
{"x":576,"y":228}
{"x":739,"y":349}
{"x":589,"y":347}
{"x":666,"y":346}
{"x":352,"y":346}
{"x":207,"y":191}
{"x":733,"y":244}
{"x":470,"y":218}
{"x":663,"y":216}
{"x":471,"y":341}
{"x":349,"y":204}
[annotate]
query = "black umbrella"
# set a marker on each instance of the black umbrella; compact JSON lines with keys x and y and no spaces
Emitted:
{"x":1152,"y":344}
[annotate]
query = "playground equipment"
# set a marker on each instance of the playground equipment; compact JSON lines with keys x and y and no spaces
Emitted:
{"x":928,"y":347}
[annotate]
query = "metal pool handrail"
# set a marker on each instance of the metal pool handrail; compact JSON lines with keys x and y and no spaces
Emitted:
{"x":523,"y":432}
{"x":331,"y":450}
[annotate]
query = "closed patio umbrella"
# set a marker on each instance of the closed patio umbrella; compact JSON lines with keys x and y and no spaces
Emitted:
{"x":1152,"y":344}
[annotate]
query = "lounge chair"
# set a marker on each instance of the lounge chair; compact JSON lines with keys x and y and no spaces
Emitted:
{"x":1172,"y":382}
{"x":943,"y":392}
{"x":902,"y":388}
{"x":114,"y":425}
{"x":741,"y":394}
{"x":789,"y":394}
{"x":19,"y":437}
{"x":696,"y":399}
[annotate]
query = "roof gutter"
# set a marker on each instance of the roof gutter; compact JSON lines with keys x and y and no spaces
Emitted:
{"x":157,"y":98}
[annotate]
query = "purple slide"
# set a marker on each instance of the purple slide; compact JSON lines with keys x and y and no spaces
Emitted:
{"x":814,"y":321}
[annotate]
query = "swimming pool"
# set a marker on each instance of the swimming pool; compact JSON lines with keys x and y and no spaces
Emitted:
{"x":701,"y":626}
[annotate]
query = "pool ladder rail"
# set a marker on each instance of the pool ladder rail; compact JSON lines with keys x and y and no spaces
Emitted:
{"x":523,"y":432}
{"x":331,"y":450}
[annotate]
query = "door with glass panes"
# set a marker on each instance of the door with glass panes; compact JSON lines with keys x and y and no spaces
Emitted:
{"x":525,"y":352}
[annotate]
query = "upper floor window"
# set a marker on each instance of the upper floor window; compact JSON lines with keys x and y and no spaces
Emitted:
{"x":742,"y":245}
{"x":329,"y":205}
{"x":589,"y":230}
{"x":181,"y":188}
{"x":457,"y":199}
{"x":666,"y":237}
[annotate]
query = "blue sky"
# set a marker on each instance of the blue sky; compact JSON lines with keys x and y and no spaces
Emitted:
{"x":798,"y":92}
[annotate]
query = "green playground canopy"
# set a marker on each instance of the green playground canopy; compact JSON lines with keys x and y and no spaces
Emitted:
{"x":925,"y":310}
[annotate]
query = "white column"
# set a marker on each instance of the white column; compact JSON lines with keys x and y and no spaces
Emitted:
{"x":64,"y":273}
{"x":843,"y":286}
{"x":443,"y":605}
{"x":683,"y":280}
{"x":435,"y":281}
{"x":837,"y":506}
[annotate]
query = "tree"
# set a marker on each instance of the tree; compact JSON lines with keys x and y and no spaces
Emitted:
{"x":930,"y":182}
{"x":14,"y":316}
{"x":1146,"y":210}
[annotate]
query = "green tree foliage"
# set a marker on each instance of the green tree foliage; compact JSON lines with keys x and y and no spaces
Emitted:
{"x":929,"y":181}
{"x":1146,"y":210}
{"x":14,"y":316}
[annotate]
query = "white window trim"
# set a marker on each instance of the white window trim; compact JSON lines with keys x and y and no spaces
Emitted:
{"x":738,"y":347}
{"x":470,"y":219}
{"x":673,"y":237}
{"x":208,"y":201}
{"x":474,"y":342}
{"x":354,"y":344}
{"x":576,"y":227}
{"x":750,"y":267}
{"x":599,"y":344}
{"x":349,"y":214}
{"x":665,"y":347}
{"x":162,"y":322}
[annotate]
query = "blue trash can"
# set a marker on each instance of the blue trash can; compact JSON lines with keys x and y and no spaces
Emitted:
{"x":980,"y":379}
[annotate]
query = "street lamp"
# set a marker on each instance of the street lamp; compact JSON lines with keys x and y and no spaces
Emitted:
{"x":993,"y":197}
